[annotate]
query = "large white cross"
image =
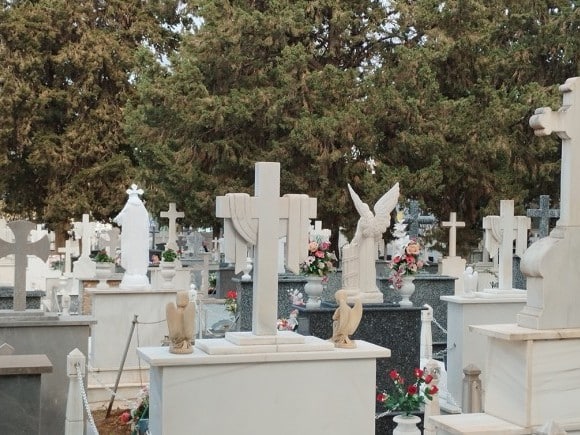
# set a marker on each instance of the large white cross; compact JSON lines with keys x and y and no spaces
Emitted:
{"x":453,"y":224}
{"x":172,"y":214}
{"x":266,"y":211}
{"x":565,"y":124}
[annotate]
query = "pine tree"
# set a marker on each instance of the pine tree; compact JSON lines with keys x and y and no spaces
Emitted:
{"x":66,"y":74}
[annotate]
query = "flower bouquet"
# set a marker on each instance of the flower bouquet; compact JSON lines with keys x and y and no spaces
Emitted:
{"x":320,"y":261}
{"x":406,"y":262}
{"x":408,"y":399}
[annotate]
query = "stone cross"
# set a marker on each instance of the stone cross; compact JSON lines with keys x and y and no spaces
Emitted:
{"x":172,"y":214}
{"x":500,"y":233}
{"x":544,"y":213}
{"x":67,"y":251}
{"x":414,"y":219}
{"x":565,"y":124}
{"x":153,"y":230}
{"x":453,"y":224}
{"x":86,"y":230}
{"x":21,"y":248}
{"x":257,"y":221}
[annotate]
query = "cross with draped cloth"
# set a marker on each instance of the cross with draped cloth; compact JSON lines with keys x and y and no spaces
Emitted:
{"x":260,"y":221}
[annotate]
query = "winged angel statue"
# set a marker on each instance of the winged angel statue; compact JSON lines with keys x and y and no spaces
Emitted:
{"x":358,"y":257}
{"x":181,"y":323}
{"x":345,"y":321}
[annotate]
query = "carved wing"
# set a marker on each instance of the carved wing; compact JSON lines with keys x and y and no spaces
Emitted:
{"x":387,"y":202}
{"x":355,"y":317}
{"x":189,"y":321}
{"x":361,"y":207}
{"x":173,"y":321}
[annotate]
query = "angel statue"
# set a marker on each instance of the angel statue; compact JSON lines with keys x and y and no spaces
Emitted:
{"x":181,"y":323}
{"x":358,"y":257}
{"x":345,"y":320}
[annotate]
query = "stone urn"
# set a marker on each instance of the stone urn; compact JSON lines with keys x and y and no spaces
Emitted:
{"x":406,"y":425}
{"x":168,"y":271}
{"x":103,"y":271}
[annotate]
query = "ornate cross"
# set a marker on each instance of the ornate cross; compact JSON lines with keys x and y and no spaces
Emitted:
{"x":21,"y":248}
{"x":414,"y":219}
{"x":544,"y":213}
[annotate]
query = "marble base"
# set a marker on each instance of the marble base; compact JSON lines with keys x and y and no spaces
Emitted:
{"x":367,"y":298}
{"x":261,"y":392}
{"x":454,"y":267}
{"x":493,"y":293}
{"x":533,"y":375}
{"x":466,"y":347}
{"x":247,"y":342}
{"x":475,"y":424}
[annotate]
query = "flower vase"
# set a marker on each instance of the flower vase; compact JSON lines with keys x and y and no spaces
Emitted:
{"x":406,"y":425}
{"x":102,"y":272}
{"x":167,"y":273}
{"x":406,"y":291}
{"x":313,"y":288}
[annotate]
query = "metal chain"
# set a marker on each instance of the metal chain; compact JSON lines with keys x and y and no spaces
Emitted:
{"x":85,"y":399}
{"x":439,"y":325}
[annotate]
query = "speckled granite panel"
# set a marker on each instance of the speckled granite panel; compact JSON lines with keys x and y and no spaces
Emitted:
{"x":398,"y":329}
{"x":32,"y":298}
{"x":428,"y":290}
{"x":245,"y":289}
{"x":518,"y":278}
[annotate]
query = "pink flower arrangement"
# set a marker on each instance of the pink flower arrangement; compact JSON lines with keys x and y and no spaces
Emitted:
{"x":319,"y":261}
{"x":406,"y":263}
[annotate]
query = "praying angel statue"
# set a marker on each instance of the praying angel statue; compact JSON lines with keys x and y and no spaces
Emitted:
{"x":358,"y":257}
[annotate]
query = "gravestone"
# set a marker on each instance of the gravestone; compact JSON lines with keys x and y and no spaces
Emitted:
{"x":414,"y":220}
{"x":20,"y":387}
{"x":21,"y":248}
{"x":172,"y":215}
{"x":84,"y":267}
{"x":453,"y":265}
{"x":265,"y":356}
{"x":530,"y":363}
{"x":500,"y":233}
{"x":262,"y":228}
{"x":544,"y":213}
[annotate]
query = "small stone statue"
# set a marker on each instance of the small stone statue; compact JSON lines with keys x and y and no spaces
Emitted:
{"x":470,"y":278}
{"x":345,"y":320}
{"x":181,"y":323}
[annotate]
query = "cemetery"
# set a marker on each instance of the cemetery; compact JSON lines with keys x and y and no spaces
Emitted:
{"x":244,"y":231}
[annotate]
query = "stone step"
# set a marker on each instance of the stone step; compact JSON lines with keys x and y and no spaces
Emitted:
{"x":475,"y":424}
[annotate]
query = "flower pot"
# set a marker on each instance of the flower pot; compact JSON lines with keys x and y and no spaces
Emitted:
{"x":406,"y":425}
{"x":167,"y":269}
{"x":313,"y":288}
{"x":406,"y":291}
{"x":103,"y":271}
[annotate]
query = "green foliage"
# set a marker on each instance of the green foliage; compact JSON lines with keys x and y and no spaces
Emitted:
{"x":169,"y":255}
{"x":66,"y":75}
{"x":102,"y":257}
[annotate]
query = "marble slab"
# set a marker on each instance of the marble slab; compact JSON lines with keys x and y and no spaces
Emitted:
{"x":475,"y":424}
{"x":514,"y":332}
